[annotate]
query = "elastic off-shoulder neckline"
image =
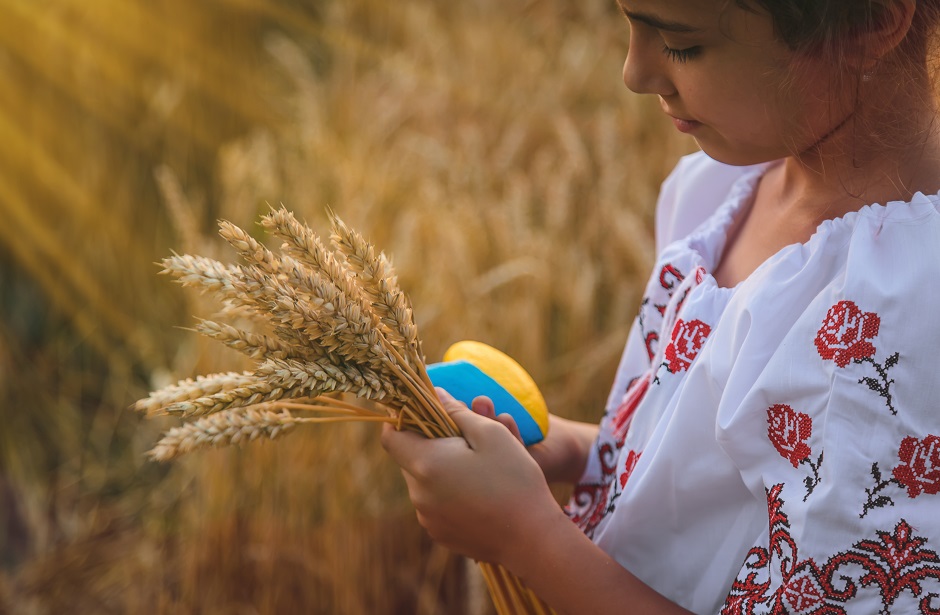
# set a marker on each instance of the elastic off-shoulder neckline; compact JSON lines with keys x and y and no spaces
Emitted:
{"x":708,"y":241}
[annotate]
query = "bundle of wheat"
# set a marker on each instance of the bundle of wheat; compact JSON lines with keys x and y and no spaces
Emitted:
{"x":328,"y":323}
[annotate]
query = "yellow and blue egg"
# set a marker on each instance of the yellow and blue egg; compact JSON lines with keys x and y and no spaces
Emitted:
{"x":471,"y":369}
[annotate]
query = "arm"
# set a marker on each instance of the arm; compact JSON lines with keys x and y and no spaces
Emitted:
{"x":564,"y":452}
{"x":485,"y":497}
{"x":575,"y":576}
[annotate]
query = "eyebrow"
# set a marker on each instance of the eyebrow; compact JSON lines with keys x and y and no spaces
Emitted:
{"x":659,"y":24}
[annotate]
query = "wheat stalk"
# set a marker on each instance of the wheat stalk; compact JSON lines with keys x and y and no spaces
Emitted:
{"x":336,"y":322}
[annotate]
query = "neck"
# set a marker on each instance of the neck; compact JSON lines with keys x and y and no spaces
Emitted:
{"x":885,"y":149}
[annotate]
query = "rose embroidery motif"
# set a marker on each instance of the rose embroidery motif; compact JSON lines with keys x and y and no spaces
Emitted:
{"x":845,"y":332}
{"x":843,"y":338}
{"x":918,"y":472}
{"x":920,"y":465}
{"x":685,"y":344}
{"x":788,"y":431}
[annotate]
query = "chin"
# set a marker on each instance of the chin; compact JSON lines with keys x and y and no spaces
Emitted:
{"x":738,"y":157}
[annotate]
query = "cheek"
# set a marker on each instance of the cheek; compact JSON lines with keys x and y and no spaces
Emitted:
{"x":815,"y":99}
{"x":724,"y":95}
{"x":735,"y":108}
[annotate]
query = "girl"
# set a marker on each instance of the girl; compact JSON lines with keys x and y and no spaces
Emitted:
{"x":772,"y":440}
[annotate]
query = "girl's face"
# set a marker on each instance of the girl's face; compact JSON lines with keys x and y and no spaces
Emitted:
{"x":722,"y":76}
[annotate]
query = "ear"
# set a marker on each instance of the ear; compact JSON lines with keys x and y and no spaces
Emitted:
{"x":890,"y":24}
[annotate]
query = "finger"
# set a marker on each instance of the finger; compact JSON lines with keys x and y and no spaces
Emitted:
{"x":473,"y":426}
{"x":510,"y":423}
{"x":414,"y":488}
{"x":477,"y":430}
{"x":450,"y":403}
{"x":404,"y":446}
{"x":415,"y":494}
{"x":483,"y":406}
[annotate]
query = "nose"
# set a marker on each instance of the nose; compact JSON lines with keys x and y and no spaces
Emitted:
{"x":643,"y":70}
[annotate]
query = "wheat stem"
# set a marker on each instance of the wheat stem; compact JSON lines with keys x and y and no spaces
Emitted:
{"x":328,"y":404}
{"x":345,"y":419}
{"x":430,"y":407}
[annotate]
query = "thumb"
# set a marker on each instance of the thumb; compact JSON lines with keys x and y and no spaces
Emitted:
{"x":458,"y":411}
{"x":450,"y":403}
{"x":476,"y":429}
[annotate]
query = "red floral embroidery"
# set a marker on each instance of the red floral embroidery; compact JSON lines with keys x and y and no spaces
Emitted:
{"x":607,"y":456}
{"x":632,"y":458}
{"x":591,"y":502}
{"x":687,"y":340}
{"x":648,"y":340}
{"x":802,"y":593}
{"x":788,"y":431}
{"x":896,"y":562}
{"x":845,"y":332}
{"x":843,"y":338}
{"x":669,"y":276}
{"x":627,"y":407}
{"x":588,"y":505}
{"x":920,"y":467}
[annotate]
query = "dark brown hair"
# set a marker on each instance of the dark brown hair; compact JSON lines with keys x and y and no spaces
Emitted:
{"x":821,"y":25}
{"x":825,"y":28}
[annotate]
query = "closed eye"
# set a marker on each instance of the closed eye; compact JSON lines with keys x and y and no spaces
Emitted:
{"x":681,"y":56}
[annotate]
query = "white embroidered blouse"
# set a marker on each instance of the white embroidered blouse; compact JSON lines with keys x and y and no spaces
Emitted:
{"x":775,"y":447}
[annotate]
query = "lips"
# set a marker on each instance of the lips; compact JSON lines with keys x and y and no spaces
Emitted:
{"x":685,"y":125}
{"x":682,"y":124}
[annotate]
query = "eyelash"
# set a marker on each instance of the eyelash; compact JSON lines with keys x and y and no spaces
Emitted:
{"x":681,"y":56}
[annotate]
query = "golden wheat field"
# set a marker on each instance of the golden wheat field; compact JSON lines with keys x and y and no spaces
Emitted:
{"x":487,"y":146}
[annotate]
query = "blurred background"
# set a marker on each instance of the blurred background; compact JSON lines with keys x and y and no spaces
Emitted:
{"x":487,"y":146}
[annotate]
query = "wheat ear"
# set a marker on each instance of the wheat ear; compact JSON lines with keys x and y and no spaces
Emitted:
{"x":378,"y":280}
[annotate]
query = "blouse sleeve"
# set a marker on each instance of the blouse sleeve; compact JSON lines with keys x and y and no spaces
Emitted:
{"x":692,"y":192}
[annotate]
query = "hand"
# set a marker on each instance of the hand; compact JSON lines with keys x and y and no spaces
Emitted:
{"x":485,"y":497}
{"x":481,"y":495}
{"x":563,"y":453}
{"x":484,"y":406}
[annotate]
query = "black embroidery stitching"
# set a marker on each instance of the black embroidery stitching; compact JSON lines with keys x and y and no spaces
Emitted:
{"x":883,"y":388}
{"x":882,"y":500}
{"x":812,"y":481}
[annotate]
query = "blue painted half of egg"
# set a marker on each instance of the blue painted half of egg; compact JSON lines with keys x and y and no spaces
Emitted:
{"x":465,"y":381}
